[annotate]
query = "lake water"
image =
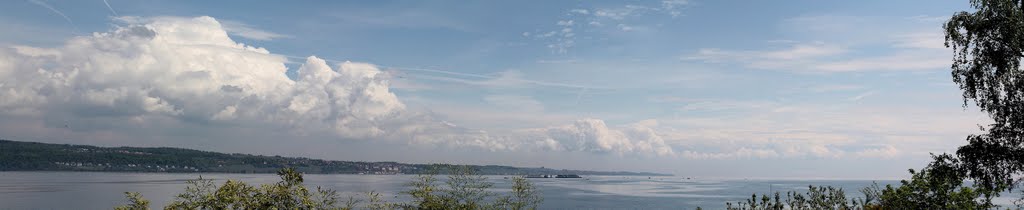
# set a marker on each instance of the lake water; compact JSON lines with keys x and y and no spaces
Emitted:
{"x":94,"y":190}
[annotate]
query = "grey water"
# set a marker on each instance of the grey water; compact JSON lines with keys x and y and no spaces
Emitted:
{"x":99,"y":190}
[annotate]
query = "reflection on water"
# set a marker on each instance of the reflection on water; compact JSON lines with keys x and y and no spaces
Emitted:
{"x":91,"y":190}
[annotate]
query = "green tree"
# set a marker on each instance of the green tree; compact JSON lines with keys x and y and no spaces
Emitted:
{"x":424,"y":191}
{"x":464,"y":189}
{"x":289,"y":193}
{"x":988,"y":46}
{"x":135,"y":202}
{"x":820,"y":197}
{"x":940,"y":185}
{"x":524,"y":196}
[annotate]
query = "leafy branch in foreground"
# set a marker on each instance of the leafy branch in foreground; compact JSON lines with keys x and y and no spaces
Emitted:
{"x":464,"y":189}
{"x":940,"y":185}
{"x":987,"y":51}
{"x":822,"y":197}
{"x":135,"y":202}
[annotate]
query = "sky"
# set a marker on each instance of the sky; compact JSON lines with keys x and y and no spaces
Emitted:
{"x":720,"y":89}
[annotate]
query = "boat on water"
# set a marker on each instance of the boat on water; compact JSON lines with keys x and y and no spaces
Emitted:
{"x":568,"y":176}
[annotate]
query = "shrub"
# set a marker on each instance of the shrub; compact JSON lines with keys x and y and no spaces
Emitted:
{"x":464,"y":189}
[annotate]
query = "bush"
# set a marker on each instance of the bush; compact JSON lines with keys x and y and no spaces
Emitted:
{"x":464,"y":189}
{"x":822,"y":197}
{"x":938,"y":186}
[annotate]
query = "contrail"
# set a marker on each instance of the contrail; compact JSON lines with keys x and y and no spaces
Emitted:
{"x":580,"y":96}
{"x":54,"y":10}
{"x":111,"y":8}
{"x":404,"y":68}
{"x":535,"y":82}
{"x":481,"y":76}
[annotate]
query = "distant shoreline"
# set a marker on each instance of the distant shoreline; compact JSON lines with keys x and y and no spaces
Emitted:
{"x":35,"y":156}
{"x":273,"y":173}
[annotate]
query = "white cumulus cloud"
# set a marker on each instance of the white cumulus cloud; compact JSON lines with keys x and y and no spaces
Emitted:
{"x":593,"y":135}
{"x":188,"y":69}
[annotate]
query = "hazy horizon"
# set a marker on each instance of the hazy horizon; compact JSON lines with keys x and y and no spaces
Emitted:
{"x":788,"y":90}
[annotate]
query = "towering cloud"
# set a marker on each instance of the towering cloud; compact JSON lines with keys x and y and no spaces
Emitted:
{"x":190,"y":70}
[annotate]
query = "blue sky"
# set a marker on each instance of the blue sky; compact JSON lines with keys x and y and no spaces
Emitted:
{"x":794,"y":89}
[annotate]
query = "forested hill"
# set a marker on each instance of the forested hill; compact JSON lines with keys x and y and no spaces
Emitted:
{"x":33,"y":156}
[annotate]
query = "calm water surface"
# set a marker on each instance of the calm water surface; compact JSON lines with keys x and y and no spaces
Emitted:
{"x":92,"y":190}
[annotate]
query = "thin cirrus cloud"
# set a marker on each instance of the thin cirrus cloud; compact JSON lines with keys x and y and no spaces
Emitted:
{"x":839,"y":45}
{"x":566,"y":32}
{"x":820,"y":57}
{"x":780,"y":129}
{"x":244,"y":30}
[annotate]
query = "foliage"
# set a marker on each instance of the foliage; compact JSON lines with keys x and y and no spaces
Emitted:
{"x":135,"y":202}
{"x":938,"y":186}
{"x":988,"y":45}
{"x":289,"y":193}
{"x":823,"y":197}
{"x":464,"y":189}
{"x":524,"y":196}
{"x":423,"y":192}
